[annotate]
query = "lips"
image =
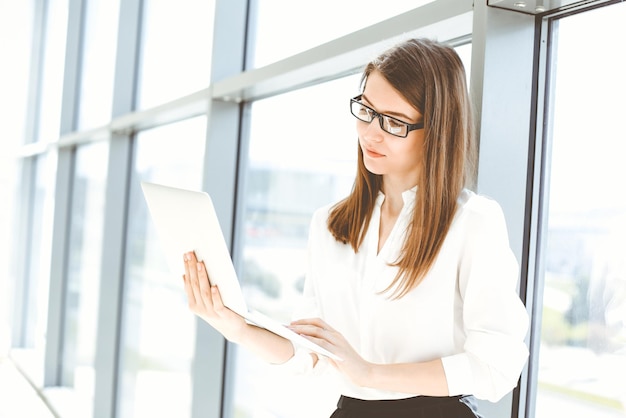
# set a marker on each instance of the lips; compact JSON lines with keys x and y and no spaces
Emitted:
{"x":372,"y":154}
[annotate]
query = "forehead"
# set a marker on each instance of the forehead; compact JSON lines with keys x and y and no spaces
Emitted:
{"x":381,"y":95}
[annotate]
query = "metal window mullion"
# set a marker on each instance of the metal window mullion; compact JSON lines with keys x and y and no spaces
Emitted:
{"x":503,"y":57}
{"x":63,"y":199}
{"x":219,"y":178}
{"x":541,"y":193}
{"x":115,"y":214}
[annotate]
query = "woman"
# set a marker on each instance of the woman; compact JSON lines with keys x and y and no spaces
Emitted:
{"x":410,"y":280}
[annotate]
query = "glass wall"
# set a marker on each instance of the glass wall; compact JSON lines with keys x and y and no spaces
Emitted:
{"x":36,"y":189}
{"x":98,"y":62}
{"x":158,"y":332}
{"x":271,"y":44}
{"x":292,"y":168}
{"x":175,"y":55}
{"x":53,"y":65}
{"x":288,"y":166}
{"x":34,"y":312}
{"x":83,"y":273}
{"x":582,"y":357}
{"x":16,"y":24}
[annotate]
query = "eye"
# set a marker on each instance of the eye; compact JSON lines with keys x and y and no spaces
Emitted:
{"x":364,"y":113}
{"x":394,"y":126}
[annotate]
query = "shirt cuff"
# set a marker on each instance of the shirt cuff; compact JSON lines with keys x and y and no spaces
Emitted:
{"x":459,"y":374}
{"x":300,"y":363}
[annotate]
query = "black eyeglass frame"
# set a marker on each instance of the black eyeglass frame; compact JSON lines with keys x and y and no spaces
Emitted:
{"x":380,"y":116}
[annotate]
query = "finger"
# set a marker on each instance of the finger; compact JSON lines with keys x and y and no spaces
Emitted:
{"x":322,"y":342}
{"x":189,"y":283}
{"x":188,"y":291}
{"x":218,"y":303}
{"x":192,"y":264}
{"x":325,"y":340}
{"x":317,"y":322}
{"x":313,"y":331}
{"x":203,"y":285}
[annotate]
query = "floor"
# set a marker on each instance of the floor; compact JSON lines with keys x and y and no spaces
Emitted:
{"x":18,"y":399}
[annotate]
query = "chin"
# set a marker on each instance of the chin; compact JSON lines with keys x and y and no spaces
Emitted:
{"x":374,"y":169}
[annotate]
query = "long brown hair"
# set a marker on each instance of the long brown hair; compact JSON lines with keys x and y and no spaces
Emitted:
{"x":431,"y":77}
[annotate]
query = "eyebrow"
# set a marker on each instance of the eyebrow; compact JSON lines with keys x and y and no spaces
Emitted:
{"x":392,"y":113}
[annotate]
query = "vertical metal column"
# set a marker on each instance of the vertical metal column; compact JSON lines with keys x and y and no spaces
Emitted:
{"x":503,"y":58}
{"x":220,"y":179}
{"x":116,"y":208}
{"x":63,"y":198}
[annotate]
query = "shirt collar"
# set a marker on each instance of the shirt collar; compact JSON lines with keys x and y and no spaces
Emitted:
{"x":408,"y":197}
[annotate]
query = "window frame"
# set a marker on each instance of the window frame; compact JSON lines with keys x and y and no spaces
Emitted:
{"x":539,"y":176}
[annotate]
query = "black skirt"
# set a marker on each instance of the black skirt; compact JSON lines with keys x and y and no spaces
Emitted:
{"x":416,"y":407}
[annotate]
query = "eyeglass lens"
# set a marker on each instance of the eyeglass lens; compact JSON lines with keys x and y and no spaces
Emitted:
{"x":387,"y":123}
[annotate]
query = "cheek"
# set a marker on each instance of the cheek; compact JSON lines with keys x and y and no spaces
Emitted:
{"x":362,"y":129}
{"x":359,"y":129}
{"x":411,"y":152}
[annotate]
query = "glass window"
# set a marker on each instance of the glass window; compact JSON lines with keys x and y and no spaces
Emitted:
{"x":291,"y":171}
{"x":34,"y":307}
{"x":16,"y":24}
{"x":158,"y":331}
{"x":175,"y":57}
{"x":52,"y":70}
{"x":98,"y":63}
{"x":83,"y":278}
{"x":465,"y":53}
{"x":277,"y":20}
{"x":582,"y":357}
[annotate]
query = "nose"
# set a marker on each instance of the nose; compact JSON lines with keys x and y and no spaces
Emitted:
{"x":373,"y":131}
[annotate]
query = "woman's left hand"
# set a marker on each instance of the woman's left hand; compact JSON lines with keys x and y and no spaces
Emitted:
{"x":322,"y":334}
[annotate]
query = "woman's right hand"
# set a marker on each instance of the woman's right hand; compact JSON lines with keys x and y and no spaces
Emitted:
{"x":206,"y":302}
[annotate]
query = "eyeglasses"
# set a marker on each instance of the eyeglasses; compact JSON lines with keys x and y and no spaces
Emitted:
{"x":389,"y":124}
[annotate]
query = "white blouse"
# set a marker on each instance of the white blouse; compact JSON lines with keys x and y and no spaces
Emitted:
{"x":466,"y":311}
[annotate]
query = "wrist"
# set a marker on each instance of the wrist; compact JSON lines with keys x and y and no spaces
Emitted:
{"x":241,"y":335}
{"x":366,"y":374}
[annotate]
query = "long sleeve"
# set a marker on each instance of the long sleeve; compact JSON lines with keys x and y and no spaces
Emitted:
{"x":495,"y":321}
{"x":466,"y":311}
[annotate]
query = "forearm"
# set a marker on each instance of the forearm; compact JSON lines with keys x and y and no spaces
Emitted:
{"x":265,"y":344}
{"x":427,"y":378}
{"x":424,"y":378}
{"x":206,"y":302}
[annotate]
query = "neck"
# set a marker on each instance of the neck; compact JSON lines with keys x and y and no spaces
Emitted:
{"x":393,"y":193}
